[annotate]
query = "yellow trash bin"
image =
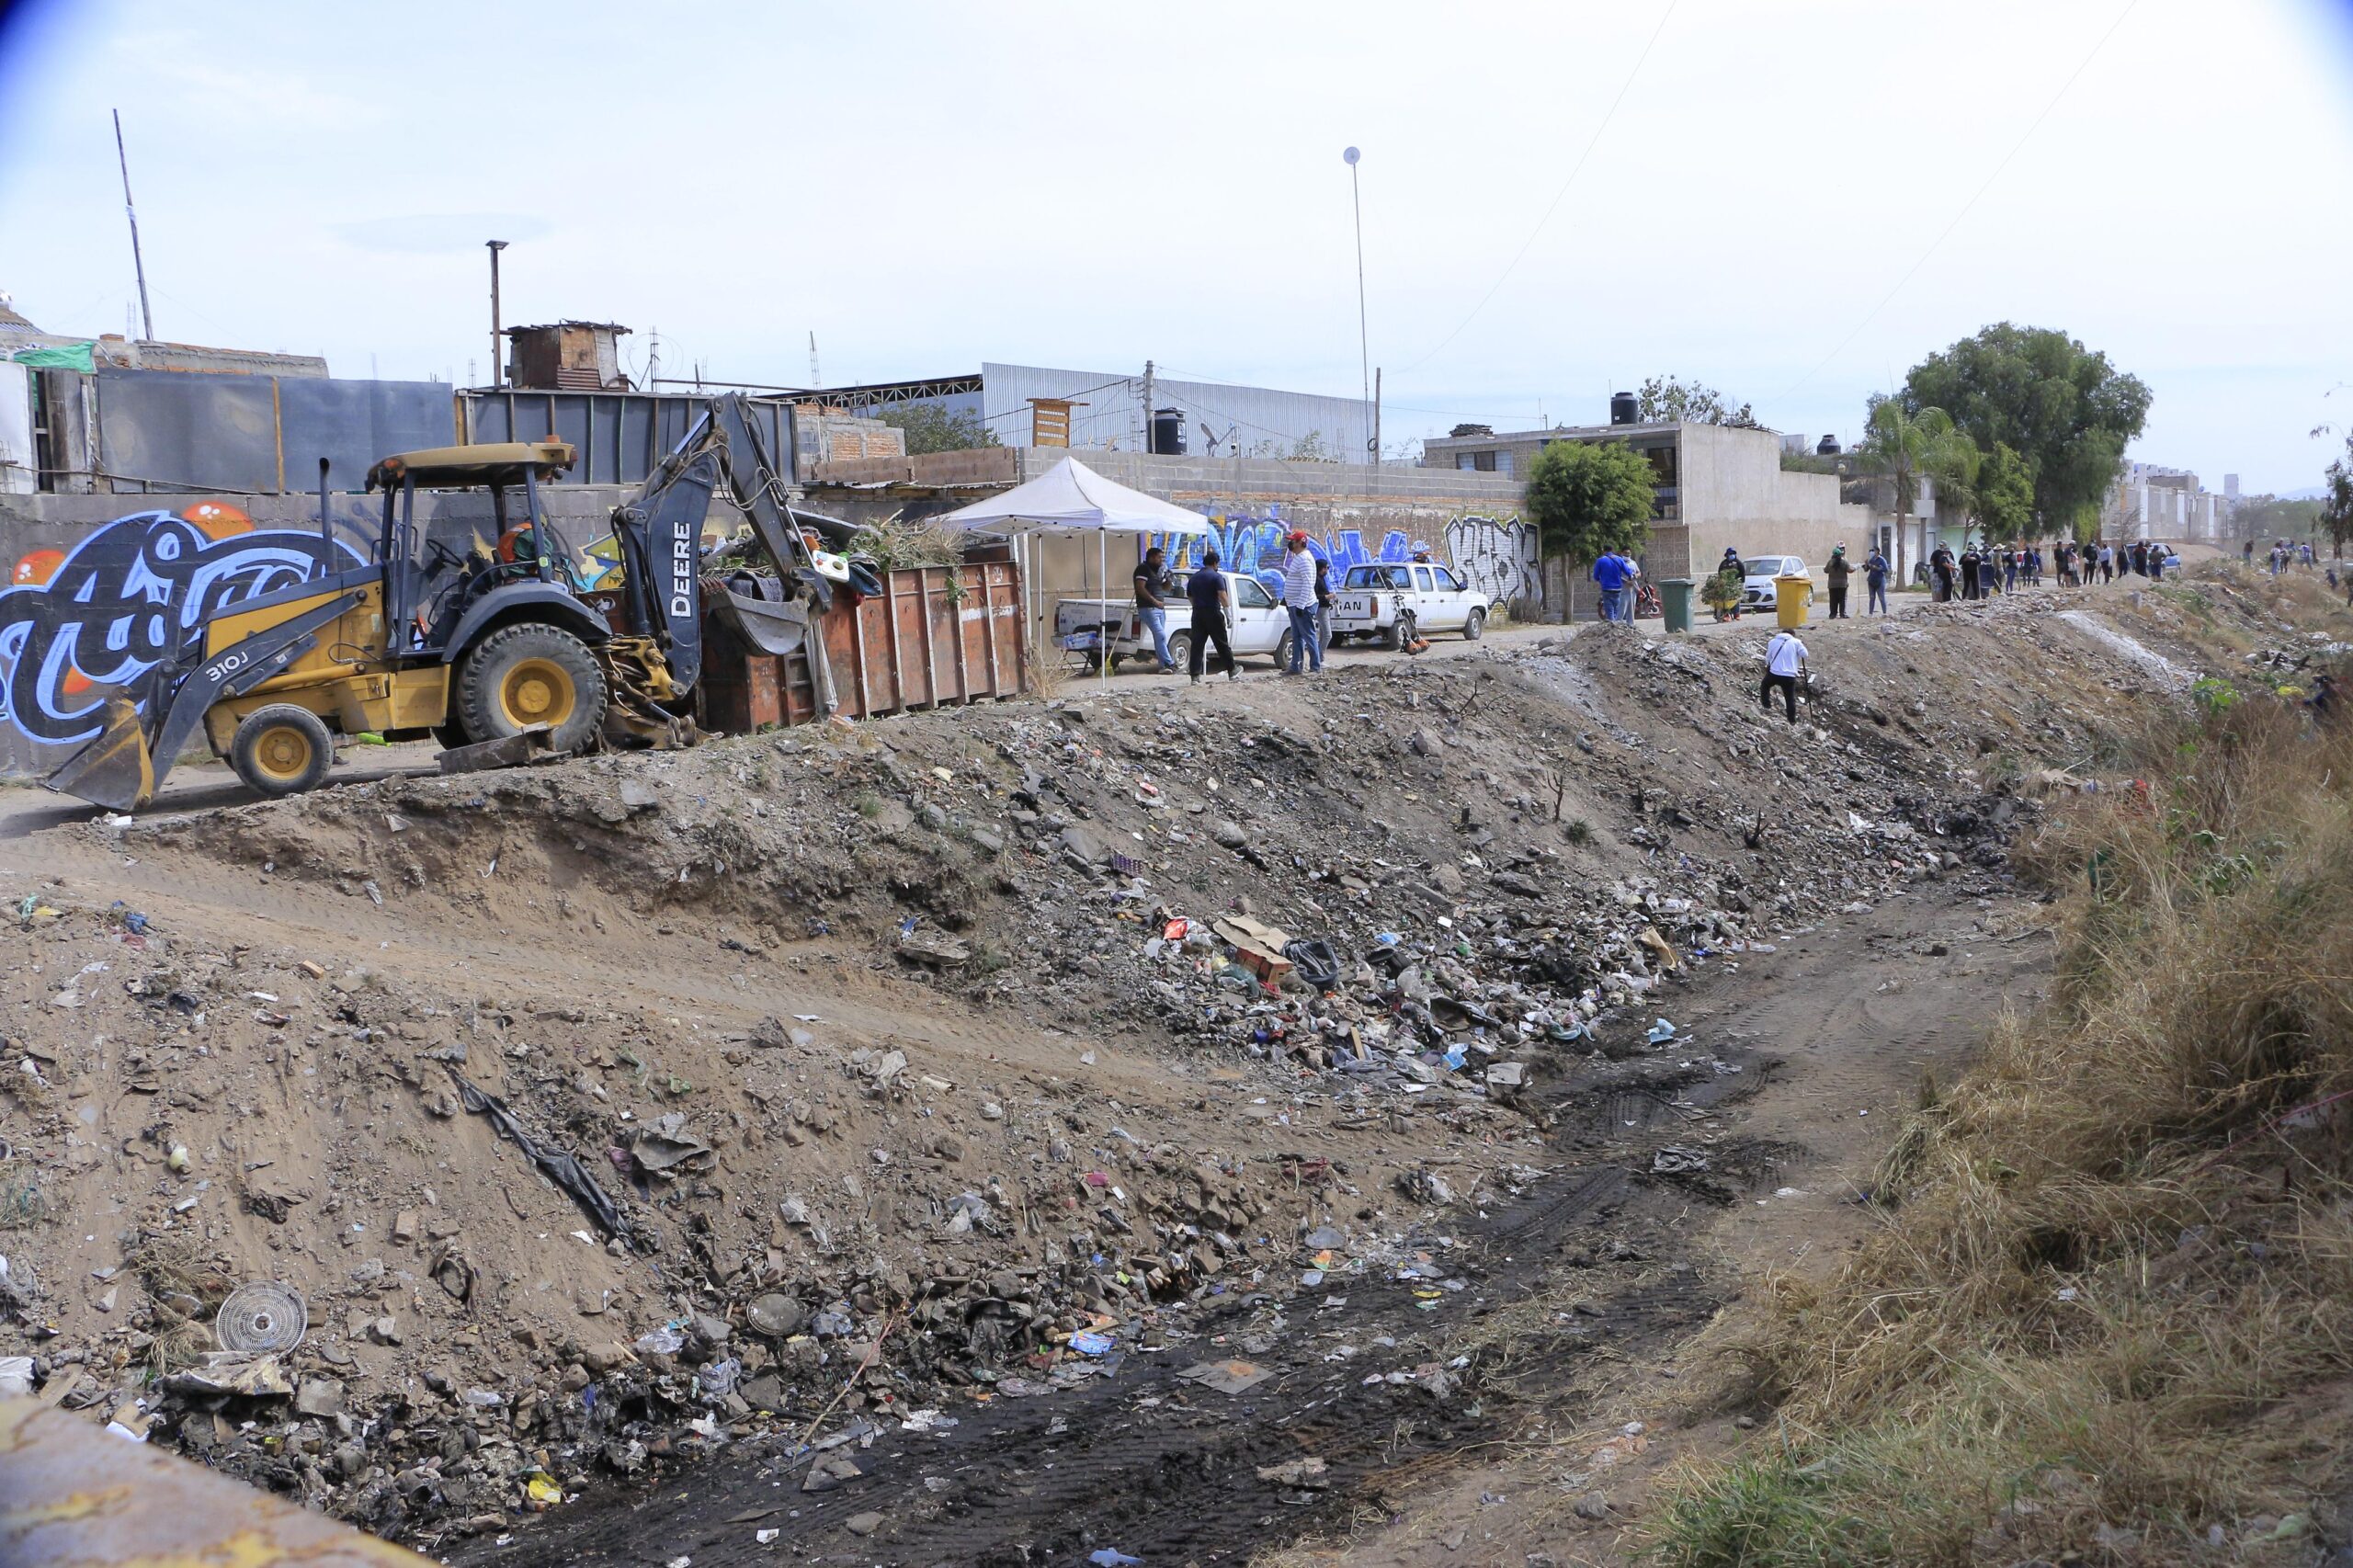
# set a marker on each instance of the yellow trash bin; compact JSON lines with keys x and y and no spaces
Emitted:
{"x":1792,"y":596}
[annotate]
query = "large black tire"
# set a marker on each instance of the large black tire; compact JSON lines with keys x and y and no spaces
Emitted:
{"x":1393,"y":636}
{"x":531,"y":673}
{"x":282,"y":750}
{"x":1472,"y":627}
{"x":1180,"y":649}
{"x":1282,"y":650}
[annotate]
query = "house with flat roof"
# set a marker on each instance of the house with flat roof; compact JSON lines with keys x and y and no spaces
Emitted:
{"x":1714,"y":485}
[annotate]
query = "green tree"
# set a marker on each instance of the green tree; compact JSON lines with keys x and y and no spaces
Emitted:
{"x":1904,"y":443}
{"x":2275,"y":519}
{"x":1588,"y":499}
{"x":2005,"y":499}
{"x":2063,"y":409}
{"x":1665,"y":398}
{"x":932,"y":428}
{"x":2336,"y":507}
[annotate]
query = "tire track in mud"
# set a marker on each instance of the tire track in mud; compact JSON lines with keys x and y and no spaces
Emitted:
{"x":1149,"y":1464}
{"x":1160,"y":1469}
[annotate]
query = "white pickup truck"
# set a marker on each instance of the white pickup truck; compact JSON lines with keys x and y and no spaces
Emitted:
{"x":1256,"y":626}
{"x":1382,"y":599}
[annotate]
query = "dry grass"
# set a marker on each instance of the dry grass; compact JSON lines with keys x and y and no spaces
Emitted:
{"x":897,"y":543}
{"x":2123,"y":1246}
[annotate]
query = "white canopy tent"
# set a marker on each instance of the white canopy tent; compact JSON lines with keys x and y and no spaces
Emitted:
{"x":1073,"y":499}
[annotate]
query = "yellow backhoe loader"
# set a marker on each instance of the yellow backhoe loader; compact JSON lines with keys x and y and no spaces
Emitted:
{"x":466,"y":648}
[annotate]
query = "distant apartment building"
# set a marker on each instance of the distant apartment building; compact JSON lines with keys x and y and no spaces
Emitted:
{"x":2150,"y":501}
{"x":1715,"y":486}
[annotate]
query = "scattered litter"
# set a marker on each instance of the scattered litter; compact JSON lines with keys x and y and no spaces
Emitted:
{"x":1226,"y":1377}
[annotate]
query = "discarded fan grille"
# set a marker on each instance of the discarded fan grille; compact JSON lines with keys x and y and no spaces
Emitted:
{"x":261,"y":1319}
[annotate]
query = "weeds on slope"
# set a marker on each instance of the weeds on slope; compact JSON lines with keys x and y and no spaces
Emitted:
{"x":2110,"y":1311}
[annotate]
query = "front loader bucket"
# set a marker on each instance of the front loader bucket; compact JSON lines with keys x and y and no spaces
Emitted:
{"x":113,"y":770}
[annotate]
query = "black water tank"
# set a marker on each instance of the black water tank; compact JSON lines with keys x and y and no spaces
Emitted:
{"x":1623,"y":409}
{"x":1168,"y":432}
{"x":1826,"y":447}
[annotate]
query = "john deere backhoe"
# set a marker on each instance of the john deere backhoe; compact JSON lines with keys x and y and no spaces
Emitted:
{"x":421,"y":641}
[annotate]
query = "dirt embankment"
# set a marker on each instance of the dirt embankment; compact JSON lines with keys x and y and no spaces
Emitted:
{"x":887,"y":1050}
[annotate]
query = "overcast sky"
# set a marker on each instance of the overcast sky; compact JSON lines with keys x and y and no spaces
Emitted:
{"x":1793,"y":201}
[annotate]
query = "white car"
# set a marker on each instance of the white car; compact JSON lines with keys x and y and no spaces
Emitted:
{"x":1378,"y":599}
{"x":1256,"y":625}
{"x":1757,"y":590}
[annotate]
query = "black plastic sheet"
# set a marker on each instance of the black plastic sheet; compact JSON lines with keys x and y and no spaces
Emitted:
{"x":564,"y":1170}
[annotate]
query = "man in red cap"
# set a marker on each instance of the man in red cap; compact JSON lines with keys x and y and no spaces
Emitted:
{"x":1298,"y":599}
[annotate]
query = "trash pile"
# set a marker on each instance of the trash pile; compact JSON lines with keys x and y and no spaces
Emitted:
{"x":1143,"y":1009}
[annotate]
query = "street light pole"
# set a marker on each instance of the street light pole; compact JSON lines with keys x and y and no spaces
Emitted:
{"x":496,"y":247}
{"x":1364,"y":343}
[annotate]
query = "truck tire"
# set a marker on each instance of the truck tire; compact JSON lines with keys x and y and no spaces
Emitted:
{"x":1393,"y":636}
{"x":1282,"y":649}
{"x":1472,"y":627}
{"x":1180,"y":649}
{"x":282,"y":750}
{"x":530,"y":674}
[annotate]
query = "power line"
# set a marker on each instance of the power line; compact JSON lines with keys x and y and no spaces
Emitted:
{"x":1965,"y":206}
{"x":1623,"y":88}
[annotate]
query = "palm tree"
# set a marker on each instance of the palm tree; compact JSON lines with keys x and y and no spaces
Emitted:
{"x":1904,"y":444}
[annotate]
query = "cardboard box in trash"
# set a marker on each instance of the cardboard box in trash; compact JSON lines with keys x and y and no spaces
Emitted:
{"x":1257,"y":946}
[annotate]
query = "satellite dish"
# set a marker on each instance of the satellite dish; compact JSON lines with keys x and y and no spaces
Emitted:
{"x":1350,"y":156}
{"x":1213,"y":439}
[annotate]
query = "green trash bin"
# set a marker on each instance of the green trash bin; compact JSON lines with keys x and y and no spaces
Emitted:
{"x":1674,"y":595}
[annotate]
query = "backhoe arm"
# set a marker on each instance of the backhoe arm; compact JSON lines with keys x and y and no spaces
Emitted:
{"x":660,"y":532}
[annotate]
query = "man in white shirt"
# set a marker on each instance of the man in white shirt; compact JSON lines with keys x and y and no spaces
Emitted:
{"x":1784,"y":667}
{"x":1299,"y":598}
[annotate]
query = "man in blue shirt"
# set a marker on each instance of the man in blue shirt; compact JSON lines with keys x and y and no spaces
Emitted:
{"x":1875,"y":581}
{"x":1208,"y":592}
{"x":1611,"y":573}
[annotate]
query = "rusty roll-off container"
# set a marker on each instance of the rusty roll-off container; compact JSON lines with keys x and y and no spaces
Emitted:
{"x":934,"y":637}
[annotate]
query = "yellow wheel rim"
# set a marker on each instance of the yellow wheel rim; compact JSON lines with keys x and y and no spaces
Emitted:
{"x":283,"y":754}
{"x":537,"y":691}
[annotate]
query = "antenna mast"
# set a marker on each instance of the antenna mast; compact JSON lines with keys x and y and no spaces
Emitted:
{"x":146,"y":316}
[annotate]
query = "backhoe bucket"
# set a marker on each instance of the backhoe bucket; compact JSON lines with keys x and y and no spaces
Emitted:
{"x":113,"y":770}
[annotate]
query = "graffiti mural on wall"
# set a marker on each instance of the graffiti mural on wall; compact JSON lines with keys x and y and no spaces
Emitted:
{"x":1496,"y":556}
{"x":130,"y":595}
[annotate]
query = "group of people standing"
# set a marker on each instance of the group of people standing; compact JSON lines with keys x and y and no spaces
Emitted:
{"x":2284,"y":555}
{"x":1307,"y":600}
{"x":1981,"y":571}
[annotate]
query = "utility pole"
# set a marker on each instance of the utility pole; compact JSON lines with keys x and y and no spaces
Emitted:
{"x":814,"y":380}
{"x":652,"y":356}
{"x":146,"y":316}
{"x":1364,"y":342}
{"x":1376,"y":416}
{"x":1147,"y":406}
{"x":496,"y":375}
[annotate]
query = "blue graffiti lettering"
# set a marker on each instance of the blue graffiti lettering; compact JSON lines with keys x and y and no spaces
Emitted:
{"x":134,"y":595}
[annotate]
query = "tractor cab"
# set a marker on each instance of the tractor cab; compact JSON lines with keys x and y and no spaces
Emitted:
{"x":430,"y":586}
